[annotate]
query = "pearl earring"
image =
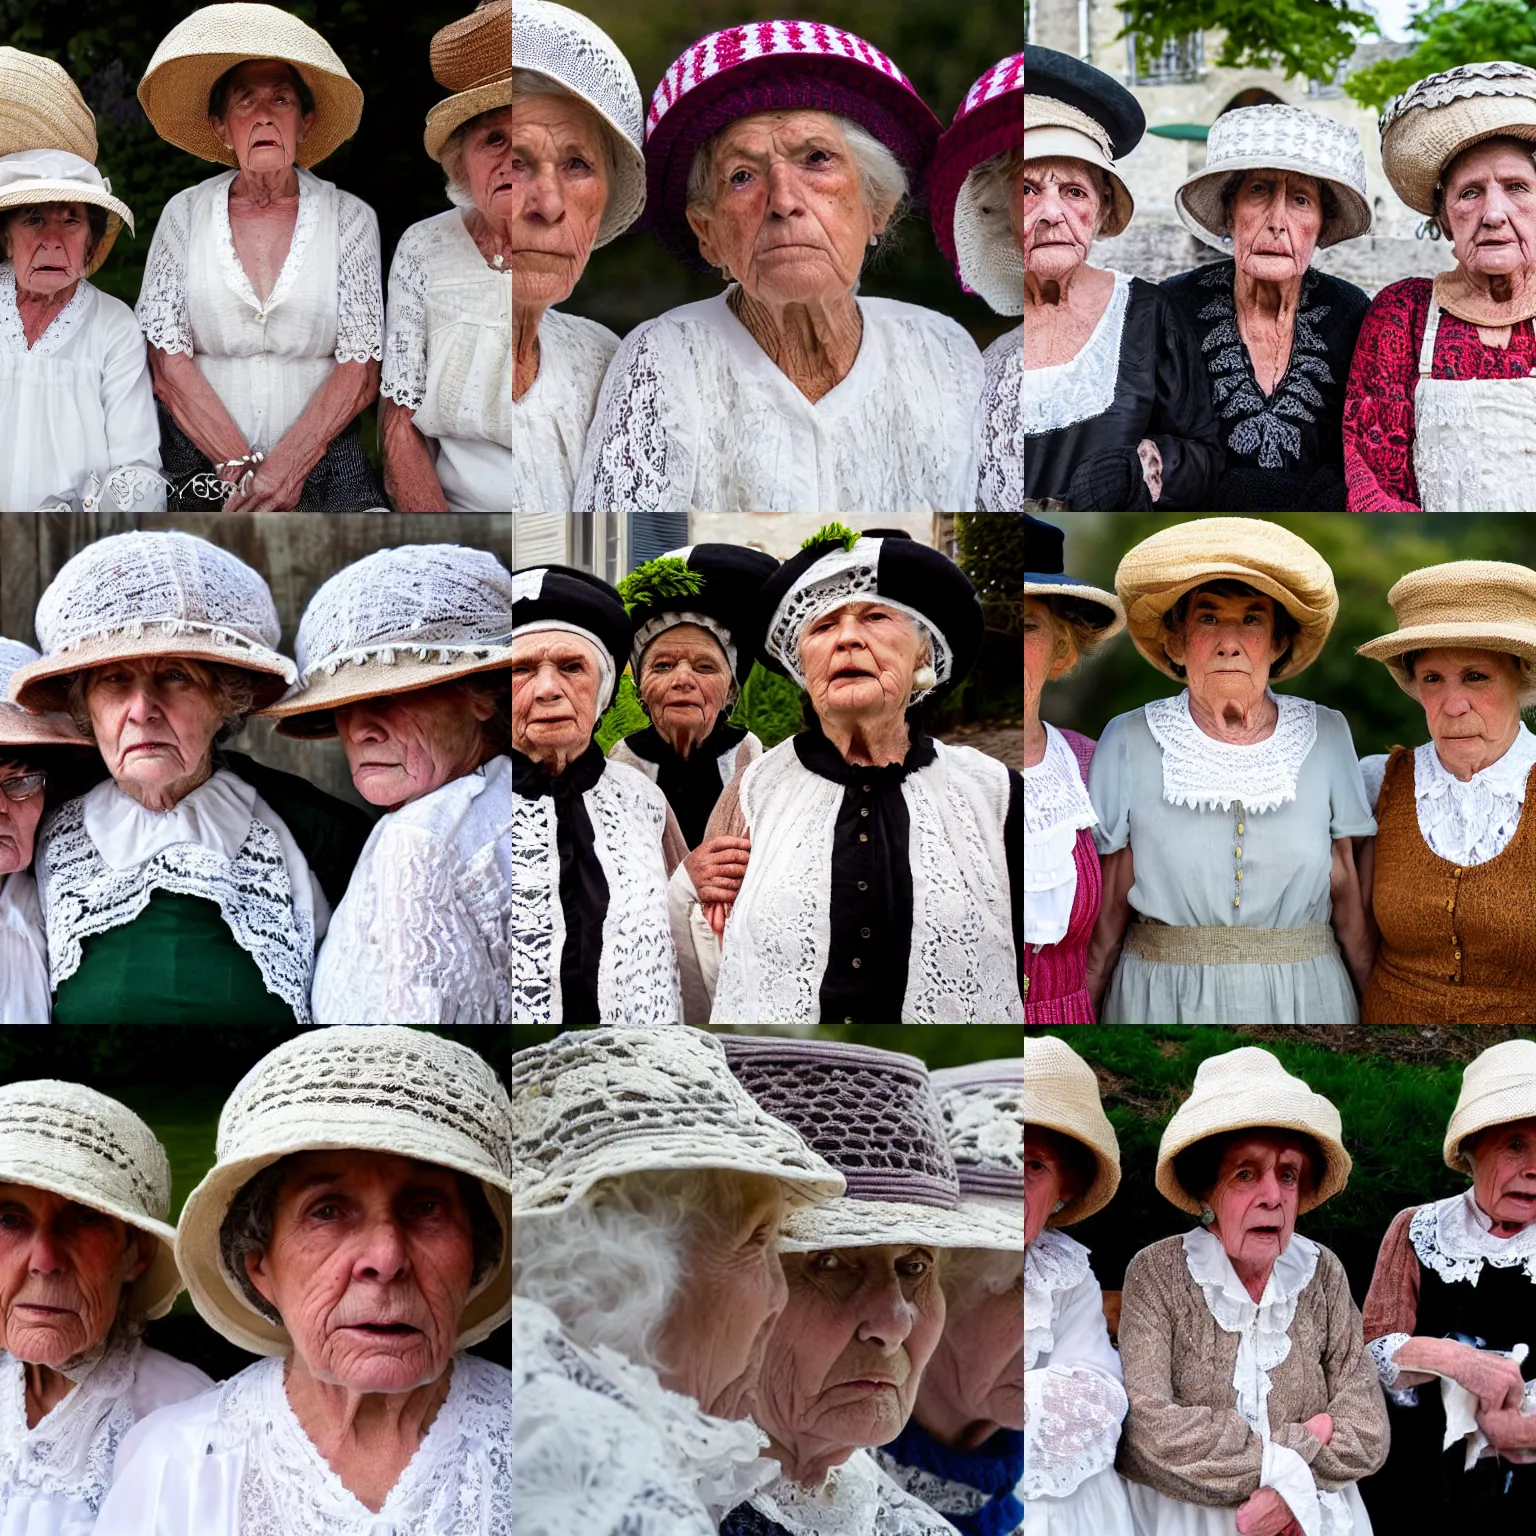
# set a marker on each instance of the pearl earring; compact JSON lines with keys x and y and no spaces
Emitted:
{"x":874,"y":240}
{"x":1207,"y":1216}
{"x":1058,"y":1208}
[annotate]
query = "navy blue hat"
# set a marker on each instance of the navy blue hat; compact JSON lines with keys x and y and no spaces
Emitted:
{"x":561,"y":596}
{"x":1043,"y":550}
{"x":1090,"y":90}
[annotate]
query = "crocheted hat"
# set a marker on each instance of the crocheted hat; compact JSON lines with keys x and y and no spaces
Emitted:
{"x":1437,"y":117}
{"x":201,"y":47}
{"x":772,"y":66}
{"x":1061,"y":1094}
{"x":1044,"y":545}
{"x":34,"y":176}
{"x":875,"y":1117}
{"x":1157,"y":572}
{"x":563,"y":597}
{"x":471,"y":57}
{"x":1496,"y":1087}
{"x":712,"y":585}
{"x":1277,"y":137}
{"x":837,"y":566}
{"x":1248,"y":1089}
{"x":575,"y":55}
{"x":41,"y":107}
{"x":1469,"y":605}
{"x":78,"y":1143}
{"x":396,"y":620}
{"x":152,"y":594}
{"x":371,"y":1088}
{"x":983,"y":1108}
{"x":594,"y":1104}
{"x":20,"y":728}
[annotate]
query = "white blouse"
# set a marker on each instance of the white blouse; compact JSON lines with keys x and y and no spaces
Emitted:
{"x":77,"y":408}
{"x":237,"y":1462}
{"x":423,"y":934}
{"x":695,"y":415}
{"x":448,"y":358}
{"x":265,"y":360}
{"x":1000,"y":426}
{"x":1056,"y":809}
{"x":856,"y":1498}
{"x":25,"y":996}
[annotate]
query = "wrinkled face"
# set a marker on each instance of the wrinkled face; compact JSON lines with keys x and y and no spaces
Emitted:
{"x":555,"y":680}
{"x":1489,"y":208}
{"x":1255,"y":1196}
{"x":154,"y":718}
{"x":1058,"y":215}
{"x":370,"y":1267}
{"x":860,"y":659}
{"x":403,"y":746}
{"x":264,"y":121}
{"x":488,"y":162}
{"x":1043,"y":658}
{"x":1227,"y":645}
{"x":789,"y":219}
{"x":979,"y":1364}
{"x":1504,"y":1172}
{"x":63,"y":1267}
{"x":1471,"y":700}
{"x":18,"y":818}
{"x":684,"y":681}
{"x":1016,"y":208}
{"x":1275,"y":220}
{"x":552,"y":169}
{"x":1048,"y":1179}
{"x":49,"y":246}
{"x":845,"y":1360}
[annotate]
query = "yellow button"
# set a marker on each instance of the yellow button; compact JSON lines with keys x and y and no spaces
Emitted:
{"x":1239,"y":874}
{"x":1239,"y":829}
{"x":1458,"y":954}
{"x":1238,"y":850}
{"x":1237,"y":901}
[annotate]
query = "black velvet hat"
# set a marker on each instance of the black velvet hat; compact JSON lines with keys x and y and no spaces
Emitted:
{"x":562,"y":596}
{"x":1065,"y":78}
{"x":1045,"y":576}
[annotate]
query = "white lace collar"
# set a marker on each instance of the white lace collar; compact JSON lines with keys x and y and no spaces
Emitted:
{"x":1054,"y":793}
{"x":305,"y":224}
{"x":1084,"y":386}
{"x":855,"y":1499}
{"x":1203,"y":773}
{"x":1053,"y":1264}
{"x":216,"y":815}
{"x":1454,"y":1238}
{"x":1471,"y":821}
{"x":13,"y":334}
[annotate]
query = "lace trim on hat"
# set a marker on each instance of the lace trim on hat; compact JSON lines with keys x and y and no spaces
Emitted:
{"x":1493,"y":78}
{"x":1449,"y":1239}
{"x":13,"y":334}
{"x":985,"y":1126}
{"x":1084,"y":386}
{"x":1471,"y":821}
{"x":1053,"y":1264}
{"x":855,"y":1499}
{"x":1205,"y":774}
{"x":1000,"y":426}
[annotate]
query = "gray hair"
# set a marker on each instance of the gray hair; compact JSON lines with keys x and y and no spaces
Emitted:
{"x":231,"y":688}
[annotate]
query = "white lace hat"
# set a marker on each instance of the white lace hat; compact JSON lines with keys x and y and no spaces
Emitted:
{"x":1062,"y":1095}
{"x":577,"y":56}
{"x":152,"y":594}
{"x":20,"y":727}
{"x":78,"y":1143}
{"x":35,"y":176}
{"x":1496,"y":1087}
{"x":594,"y":1104}
{"x":362,"y":1087}
{"x":983,"y":1108}
{"x":472,"y":57}
{"x":394,"y":621}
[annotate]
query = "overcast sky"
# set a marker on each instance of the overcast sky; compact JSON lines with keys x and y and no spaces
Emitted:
{"x":1393,"y":16}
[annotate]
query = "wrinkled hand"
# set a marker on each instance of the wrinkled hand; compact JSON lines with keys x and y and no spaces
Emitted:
{"x":275,"y":487}
{"x":1320,"y":1425}
{"x":1265,"y":1513}
{"x":1511,"y":1433}
{"x":1494,"y":1379}
{"x":717,"y":867}
{"x":1151,"y":466}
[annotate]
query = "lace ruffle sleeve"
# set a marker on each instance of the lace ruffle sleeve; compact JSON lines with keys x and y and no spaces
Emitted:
{"x":1000,"y":427}
{"x":1071,"y":1428}
{"x":162,"y":307}
{"x":405,"y":342}
{"x":359,"y":300}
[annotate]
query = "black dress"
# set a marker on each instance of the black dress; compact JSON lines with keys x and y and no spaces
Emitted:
{"x":1160,"y":392}
{"x":691,"y":784}
{"x":1283,"y":451}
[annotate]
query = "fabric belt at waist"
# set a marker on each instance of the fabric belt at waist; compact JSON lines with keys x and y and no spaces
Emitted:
{"x":1164,"y":944}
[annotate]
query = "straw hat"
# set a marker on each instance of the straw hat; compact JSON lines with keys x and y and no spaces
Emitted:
{"x":983,"y":1108}
{"x":394,"y":621}
{"x":473,"y":58}
{"x":1061,"y":1094}
{"x":18,"y":727}
{"x":36,"y":176}
{"x":1436,"y":118}
{"x":78,"y":1143}
{"x":372,"y":1088}
{"x":1497,"y":1087}
{"x":1470,"y":605}
{"x":152,"y":594}
{"x":41,"y":107}
{"x":1156,"y":573}
{"x":1248,"y":1089}
{"x":1277,"y":137}
{"x":1047,"y":577}
{"x":200,"y":48}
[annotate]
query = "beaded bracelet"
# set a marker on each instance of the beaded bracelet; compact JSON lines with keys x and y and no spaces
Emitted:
{"x":249,"y":458}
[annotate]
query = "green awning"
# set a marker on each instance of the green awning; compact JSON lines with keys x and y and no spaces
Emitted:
{"x":1195,"y":131}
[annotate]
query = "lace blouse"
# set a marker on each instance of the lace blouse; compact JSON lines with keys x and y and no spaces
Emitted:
{"x":694,"y":414}
{"x":1000,"y":426}
{"x":265,"y":360}
{"x":857,"y":1498}
{"x":25,"y":995}
{"x":448,"y":358}
{"x":237,"y":1462}
{"x":78,"y":408}
{"x":423,"y":935}
{"x":1056,"y":809}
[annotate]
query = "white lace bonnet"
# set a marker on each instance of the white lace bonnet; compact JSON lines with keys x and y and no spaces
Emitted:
{"x":21,"y":728}
{"x":152,"y":594}
{"x":397,"y":620}
{"x":1248,"y":1089}
{"x":373,"y":1088}
{"x":983,"y":1108}
{"x":1497,"y":1087}
{"x":78,"y":1143}
{"x":471,"y":57}
{"x":1061,"y":1094}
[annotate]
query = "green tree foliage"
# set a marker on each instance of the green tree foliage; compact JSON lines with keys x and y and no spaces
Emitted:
{"x":992,"y":554}
{"x":1450,"y":34}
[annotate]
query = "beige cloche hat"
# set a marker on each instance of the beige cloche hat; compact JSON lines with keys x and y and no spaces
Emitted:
{"x":1248,"y":1089}
{"x":1496,"y":1087}
{"x":1061,"y":1094}
{"x":20,"y":727}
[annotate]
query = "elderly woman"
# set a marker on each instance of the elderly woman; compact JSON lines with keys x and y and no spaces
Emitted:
{"x":192,"y":885}
{"x":261,"y":298}
{"x":1279,"y":183}
{"x":1226,"y":813}
{"x":647,"y":1280}
{"x":1254,"y":1404}
{"x":841,"y":1369}
{"x":1447,"y":874}
{"x":1452,"y":1298}
{"x":403,"y":655}
{"x":590,"y":937}
{"x":1117,"y":410}
{"x":782,"y":155}
{"x":1064,"y":618}
{"x":86,"y":1259}
{"x":543,"y":167}
{"x":883,"y":882}
{"x":1440,"y":415}
{"x":355,"y":1231}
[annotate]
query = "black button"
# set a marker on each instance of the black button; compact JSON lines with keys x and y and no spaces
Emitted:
{"x":863,"y":885}
{"x":857,"y":962}
{"x":864,"y":811}
{"x":863,"y":933}
{"x":866,"y":789}
{"x":863,"y":837}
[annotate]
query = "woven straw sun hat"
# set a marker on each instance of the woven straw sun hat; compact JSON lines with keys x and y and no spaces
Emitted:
{"x":595,"y":1104}
{"x":1436,"y":118}
{"x":1496,"y":1087}
{"x":394,"y":621}
{"x":20,"y":727}
{"x":353,"y":1087}
{"x":78,"y":1143}
{"x":983,"y":1108}
{"x":1061,"y":1094}
{"x":471,"y":57}
{"x":1469,"y":605}
{"x":34,"y":176}
{"x":41,"y":107}
{"x":1248,"y":1089}
{"x":1157,"y":572}
{"x":200,"y":48}
{"x":152,"y":594}
{"x":1277,"y":137}
{"x":1045,"y":576}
